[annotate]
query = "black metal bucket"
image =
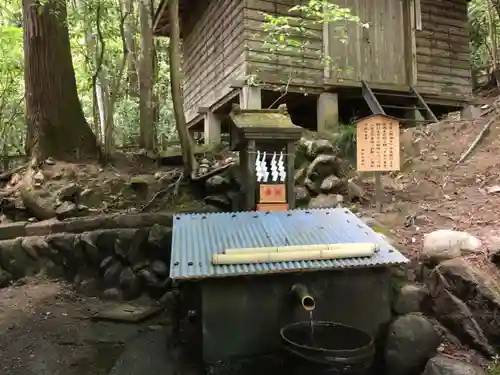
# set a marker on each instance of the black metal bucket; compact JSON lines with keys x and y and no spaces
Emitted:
{"x":333,"y":348}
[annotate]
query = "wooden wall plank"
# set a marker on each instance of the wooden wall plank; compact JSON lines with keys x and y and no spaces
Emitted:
{"x":443,"y":51}
{"x":305,"y":67}
{"x":213,"y":55}
{"x":226,"y":45}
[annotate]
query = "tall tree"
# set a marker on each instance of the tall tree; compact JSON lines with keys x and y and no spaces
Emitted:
{"x":188,"y":157}
{"x":146,"y":77}
{"x":56,"y":123}
{"x":130,"y":28}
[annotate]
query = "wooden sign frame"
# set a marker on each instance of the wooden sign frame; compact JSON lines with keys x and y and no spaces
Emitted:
{"x":272,"y":207}
{"x":272,"y":193}
{"x":377,"y":144}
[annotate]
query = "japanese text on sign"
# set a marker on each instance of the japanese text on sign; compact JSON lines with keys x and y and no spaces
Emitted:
{"x":272,"y":193}
{"x":377,"y":144}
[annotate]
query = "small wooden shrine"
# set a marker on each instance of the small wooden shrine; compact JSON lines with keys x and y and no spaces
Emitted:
{"x":266,"y":142}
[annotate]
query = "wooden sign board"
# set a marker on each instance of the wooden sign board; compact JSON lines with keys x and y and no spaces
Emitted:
{"x":377,"y":140}
{"x":272,"y":207}
{"x":272,"y":193}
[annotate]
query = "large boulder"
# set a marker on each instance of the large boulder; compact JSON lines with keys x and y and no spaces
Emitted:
{"x":217,"y":184}
{"x":326,"y":201}
{"x":15,"y":261}
{"x":313,"y":148}
{"x":441,"y":365}
{"x":331,"y":184}
{"x":5,"y":278}
{"x":411,"y":342}
{"x":446,"y":244}
{"x":466,"y":301}
{"x":301,"y":195}
{"x":160,"y":241}
{"x":409,"y":299}
{"x":320,"y":146}
{"x":322,"y":167}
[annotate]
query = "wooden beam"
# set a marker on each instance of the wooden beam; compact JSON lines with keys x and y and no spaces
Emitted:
{"x":327,"y":110}
{"x":418,"y":15}
{"x":159,"y":14}
{"x":212,"y":128}
{"x":251,"y":97}
{"x":410,"y":42}
{"x":214,"y":108}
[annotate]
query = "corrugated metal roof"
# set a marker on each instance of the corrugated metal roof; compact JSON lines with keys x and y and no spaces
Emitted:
{"x":197,"y":236}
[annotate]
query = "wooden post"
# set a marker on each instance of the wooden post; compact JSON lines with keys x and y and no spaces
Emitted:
{"x":410,"y":42}
{"x":414,"y":114}
{"x":212,"y":128}
{"x":378,"y":191}
{"x":290,"y":171}
{"x":250,"y":184}
{"x":250,"y":97}
{"x":327,"y":113}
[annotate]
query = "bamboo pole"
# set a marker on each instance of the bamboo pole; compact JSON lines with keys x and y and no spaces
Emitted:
{"x":294,"y":248}
{"x":298,"y":255}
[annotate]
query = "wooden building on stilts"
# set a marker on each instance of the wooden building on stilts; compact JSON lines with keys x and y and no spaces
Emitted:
{"x":412,"y":62}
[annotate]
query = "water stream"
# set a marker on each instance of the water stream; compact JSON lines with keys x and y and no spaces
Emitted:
{"x":311,"y":327}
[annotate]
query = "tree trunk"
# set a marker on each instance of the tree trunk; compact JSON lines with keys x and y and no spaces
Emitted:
{"x":156,"y":96}
{"x":90,"y":60}
{"x":493,"y":39}
{"x":188,"y":158}
{"x":496,"y":5}
{"x":146,"y":76}
{"x":102,"y":98}
{"x":130,"y":38}
{"x":56,"y":123}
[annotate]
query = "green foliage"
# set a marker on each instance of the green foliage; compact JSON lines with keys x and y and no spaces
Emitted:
{"x":346,"y":141}
{"x":84,"y":38}
{"x":494,"y":366}
{"x":479,"y":29}
{"x":11,"y":82}
{"x":289,"y":34}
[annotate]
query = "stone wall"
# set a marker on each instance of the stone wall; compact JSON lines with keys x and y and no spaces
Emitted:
{"x":117,"y":257}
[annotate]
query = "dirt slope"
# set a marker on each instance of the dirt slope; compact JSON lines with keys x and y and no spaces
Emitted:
{"x":433,"y":192}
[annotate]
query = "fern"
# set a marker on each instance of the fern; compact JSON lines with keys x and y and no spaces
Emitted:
{"x":346,"y":142}
{"x":494,"y":366}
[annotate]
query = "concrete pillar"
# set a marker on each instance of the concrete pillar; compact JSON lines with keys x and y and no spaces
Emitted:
{"x":470,"y":112}
{"x":415,"y":114}
{"x":328,"y":113}
{"x":419,"y":116}
{"x":212,"y":128}
{"x":250,"y":97}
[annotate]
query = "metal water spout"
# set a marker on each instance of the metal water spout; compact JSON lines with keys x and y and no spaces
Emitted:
{"x":306,"y":300}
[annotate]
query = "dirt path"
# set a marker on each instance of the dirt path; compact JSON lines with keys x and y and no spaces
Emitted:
{"x":44,"y":331}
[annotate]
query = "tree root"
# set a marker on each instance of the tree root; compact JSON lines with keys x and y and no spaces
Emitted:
{"x":173,"y":187}
{"x":213,"y":172}
{"x":6,"y":176}
{"x":36,"y":205}
{"x":478,"y":139}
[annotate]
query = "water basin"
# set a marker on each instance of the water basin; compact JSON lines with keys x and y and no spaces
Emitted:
{"x":327,"y":348}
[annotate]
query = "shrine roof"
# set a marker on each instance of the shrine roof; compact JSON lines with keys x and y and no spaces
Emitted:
{"x":261,"y":118}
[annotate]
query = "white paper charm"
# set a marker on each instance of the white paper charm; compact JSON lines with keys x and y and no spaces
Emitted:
{"x":281,"y":168}
{"x":274,"y":168}
{"x":258,"y":171}
{"x":264,"y":168}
